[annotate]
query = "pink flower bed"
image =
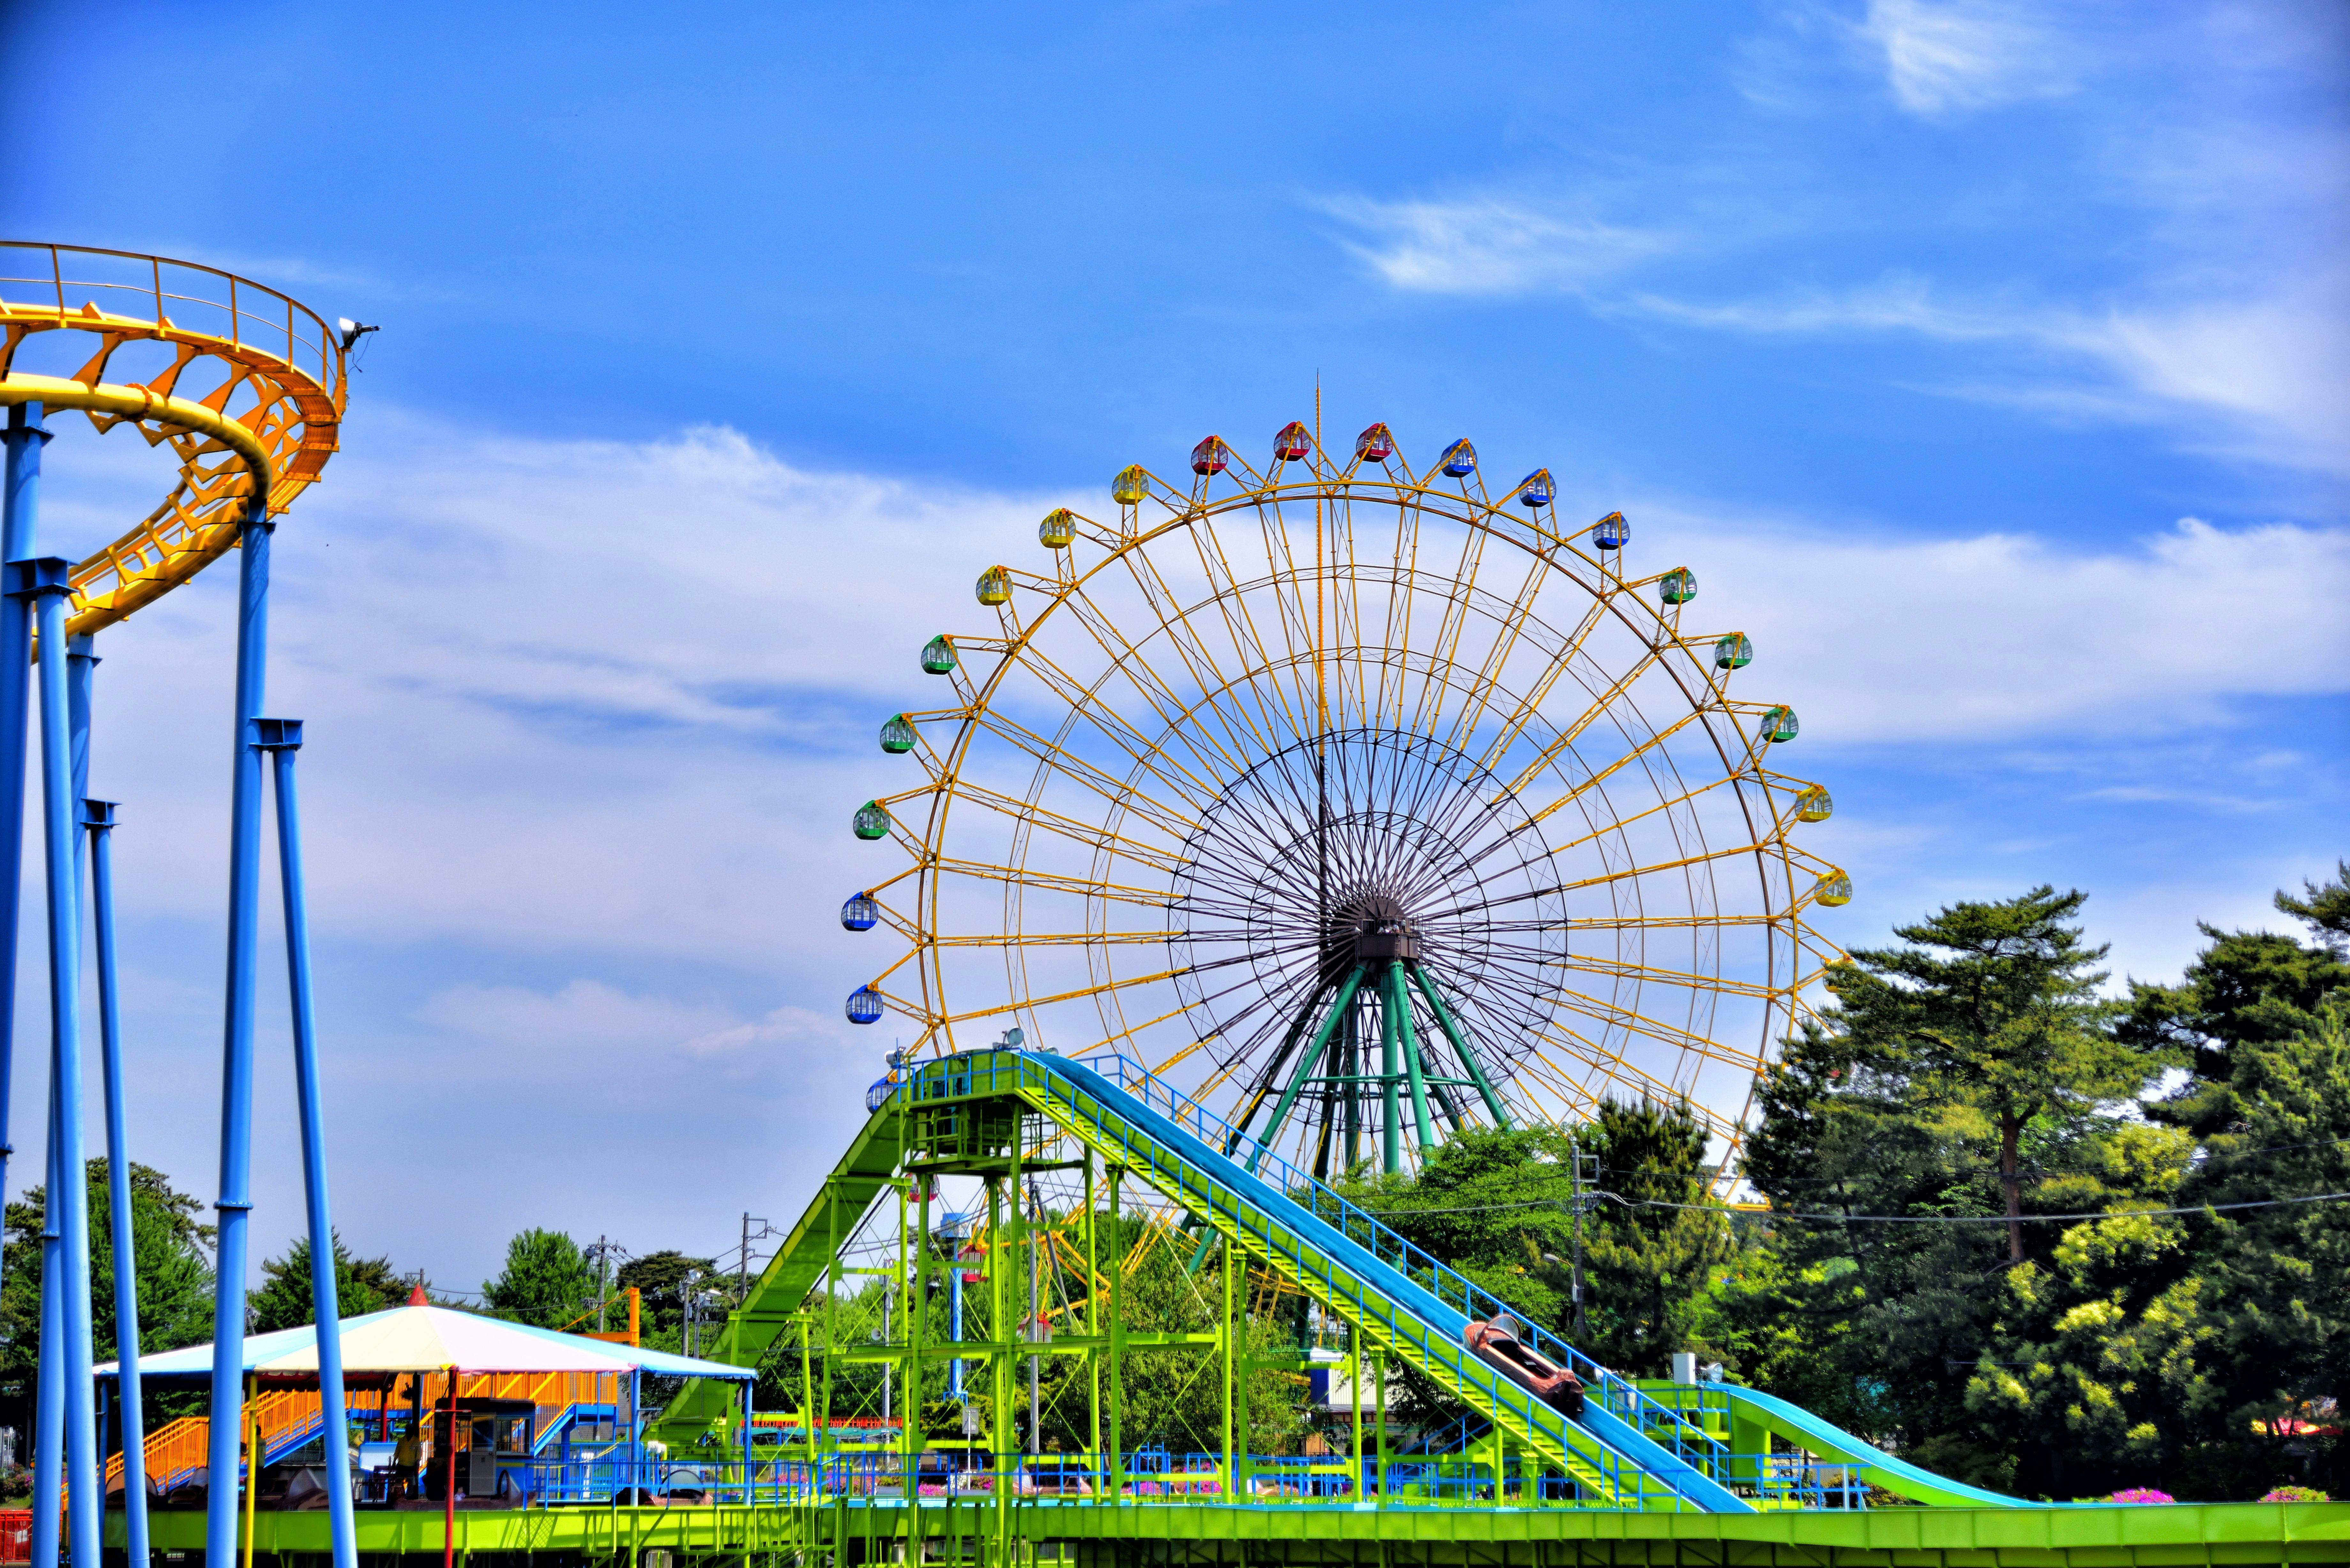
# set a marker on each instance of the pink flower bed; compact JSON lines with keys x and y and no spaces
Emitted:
{"x":2141,"y":1494}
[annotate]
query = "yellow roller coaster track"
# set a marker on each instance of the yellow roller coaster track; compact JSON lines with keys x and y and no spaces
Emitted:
{"x":266,"y":382}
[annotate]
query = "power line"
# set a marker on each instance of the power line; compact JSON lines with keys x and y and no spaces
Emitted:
{"x":1875,"y":1219}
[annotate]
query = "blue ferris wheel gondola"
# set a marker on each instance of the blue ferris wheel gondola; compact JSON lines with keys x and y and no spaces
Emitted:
{"x":862,"y":912}
{"x":864,"y":1005}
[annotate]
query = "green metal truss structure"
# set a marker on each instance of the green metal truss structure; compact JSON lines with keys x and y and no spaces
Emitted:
{"x":1647,"y":1473}
{"x":1372,"y":990}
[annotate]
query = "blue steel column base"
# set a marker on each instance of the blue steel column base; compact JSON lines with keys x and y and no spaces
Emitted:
{"x":43,"y":581}
{"x":98,"y":820}
{"x":19,"y":510}
{"x":282,"y":738}
{"x":230,"y":1253}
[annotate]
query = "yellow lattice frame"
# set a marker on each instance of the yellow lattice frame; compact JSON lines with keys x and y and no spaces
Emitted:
{"x":266,"y":428}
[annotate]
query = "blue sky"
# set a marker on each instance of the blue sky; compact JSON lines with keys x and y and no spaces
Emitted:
{"x":1990,"y":356}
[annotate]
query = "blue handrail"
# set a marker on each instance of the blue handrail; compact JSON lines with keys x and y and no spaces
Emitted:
{"x":955,"y":1078}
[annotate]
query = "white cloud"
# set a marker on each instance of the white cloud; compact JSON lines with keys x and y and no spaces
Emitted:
{"x":590,"y":1022}
{"x":1944,"y":56}
{"x":2001,"y":637}
{"x":1487,"y":246}
{"x":587,"y":720}
{"x":2267,"y":376}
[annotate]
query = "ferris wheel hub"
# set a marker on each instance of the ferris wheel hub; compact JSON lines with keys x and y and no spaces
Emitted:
{"x":1372,"y":928}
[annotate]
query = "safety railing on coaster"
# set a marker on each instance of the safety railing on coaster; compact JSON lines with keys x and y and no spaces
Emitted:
{"x":86,"y":281}
{"x":1599,"y":1468}
{"x":1272,"y":1479}
{"x":1618,"y":1395}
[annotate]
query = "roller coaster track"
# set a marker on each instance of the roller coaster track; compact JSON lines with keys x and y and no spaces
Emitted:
{"x":250,"y":401}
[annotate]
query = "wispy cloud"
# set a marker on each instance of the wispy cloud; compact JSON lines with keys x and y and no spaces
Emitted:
{"x":2003,"y":637}
{"x":1487,"y":246}
{"x":2275,"y":369}
{"x":1945,"y":56}
{"x":588,"y":718}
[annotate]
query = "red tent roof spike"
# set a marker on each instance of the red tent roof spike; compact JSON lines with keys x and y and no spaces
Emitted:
{"x":416,"y":1296}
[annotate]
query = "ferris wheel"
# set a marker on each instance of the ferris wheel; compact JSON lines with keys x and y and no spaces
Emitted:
{"x":1359,"y":801}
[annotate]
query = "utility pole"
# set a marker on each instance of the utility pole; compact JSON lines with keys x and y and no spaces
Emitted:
{"x":1574,"y":1159}
{"x":603,"y":1256}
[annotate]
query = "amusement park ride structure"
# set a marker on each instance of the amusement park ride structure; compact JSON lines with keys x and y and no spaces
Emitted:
{"x":246,"y":387}
{"x":1361,"y":801}
{"x":1284,"y":858}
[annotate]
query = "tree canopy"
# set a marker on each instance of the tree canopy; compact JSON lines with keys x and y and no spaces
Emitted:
{"x":546,"y":1281}
{"x":362,"y":1285}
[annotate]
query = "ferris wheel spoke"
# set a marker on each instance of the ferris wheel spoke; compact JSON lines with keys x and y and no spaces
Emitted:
{"x":1576,"y":729}
{"x":1629,"y":1073}
{"x":1077,"y":993}
{"x":1195,"y":789}
{"x":1109,"y":1042}
{"x":1114,"y":791}
{"x":1510,"y":626}
{"x":1665,"y":807}
{"x":1295,"y":619}
{"x":1597,"y":779}
{"x":1030,"y":815}
{"x":1026,"y":879}
{"x":1217,"y":751}
{"x":1452,"y":624}
{"x":1055,"y":939}
{"x":1608,"y":878}
{"x":1634,"y":1021}
{"x":1528,"y":707}
{"x":1245,"y":731}
{"x":1638,"y":973}
{"x":1240,"y":621}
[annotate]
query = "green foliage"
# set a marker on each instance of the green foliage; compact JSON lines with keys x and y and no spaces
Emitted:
{"x":545,"y":1279}
{"x":362,"y":1285}
{"x":173,"y":1272}
{"x":1992,"y":1010}
{"x":661,"y":1281}
{"x":2192,"y":1350}
{"x":2325,"y":907}
{"x":1172,"y":1395}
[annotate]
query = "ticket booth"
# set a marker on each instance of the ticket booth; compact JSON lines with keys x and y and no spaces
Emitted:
{"x":493,"y":1450}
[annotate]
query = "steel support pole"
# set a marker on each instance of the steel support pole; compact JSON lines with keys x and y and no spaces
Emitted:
{"x":19,"y":513}
{"x":1422,"y":1128}
{"x":98,"y":818}
{"x":282,"y":738}
{"x":1451,"y":1028}
{"x":235,"y":1204}
{"x":44,"y":583}
{"x":1391,"y":1087}
{"x":1330,"y":1022}
{"x":49,"y":1408}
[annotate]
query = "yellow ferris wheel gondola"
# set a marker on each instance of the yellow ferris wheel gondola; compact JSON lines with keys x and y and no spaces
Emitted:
{"x":1356,"y":803}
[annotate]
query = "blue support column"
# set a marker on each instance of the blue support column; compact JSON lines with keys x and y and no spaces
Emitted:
{"x":98,"y":818}
{"x":19,"y":511}
{"x":281,"y":738}
{"x":44,"y":582}
{"x":49,"y":1399}
{"x":236,"y":1205}
{"x":19,"y":514}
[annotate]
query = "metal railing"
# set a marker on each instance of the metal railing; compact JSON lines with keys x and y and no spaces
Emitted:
{"x":70,"y":280}
{"x":1604,"y":1467}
